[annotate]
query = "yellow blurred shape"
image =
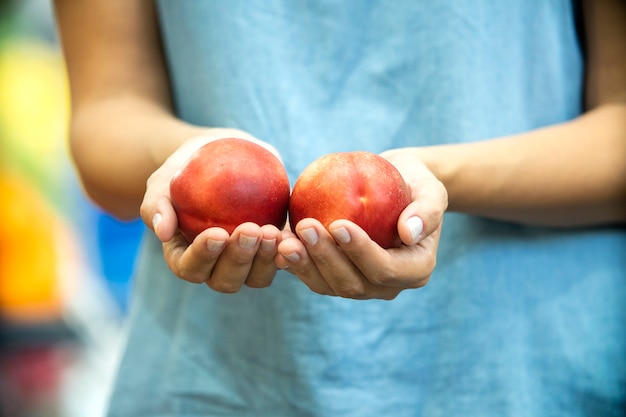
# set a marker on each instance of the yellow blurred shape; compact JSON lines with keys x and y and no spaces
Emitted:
{"x":34,"y":104}
{"x":29,"y":286}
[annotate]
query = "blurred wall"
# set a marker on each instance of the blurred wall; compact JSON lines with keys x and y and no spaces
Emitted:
{"x":65,"y":266}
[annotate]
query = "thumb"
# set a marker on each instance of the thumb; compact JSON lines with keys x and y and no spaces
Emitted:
{"x":422,"y":216}
{"x":161,"y":218}
{"x":410,"y":229}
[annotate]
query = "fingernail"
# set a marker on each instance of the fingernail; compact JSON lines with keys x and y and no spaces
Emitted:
{"x":268,"y":244}
{"x":309,"y":236}
{"x":247,"y":242}
{"x":156,"y":220}
{"x":292,"y":257}
{"x":341,"y":234}
{"x":214,"y":245}
{"x":416,"y":227}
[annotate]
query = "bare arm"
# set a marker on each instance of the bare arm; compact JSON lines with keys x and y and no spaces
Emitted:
{"x":573,"y":174}
{"x":122,"y":127}
{"x":127,"y":143}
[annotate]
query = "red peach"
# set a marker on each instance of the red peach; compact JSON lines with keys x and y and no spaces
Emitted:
{"x":358,"y":186}
{"x":228,"y":182}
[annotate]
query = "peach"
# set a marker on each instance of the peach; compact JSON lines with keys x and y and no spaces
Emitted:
{"x":228,"y":182}
{"x":358,"y":186}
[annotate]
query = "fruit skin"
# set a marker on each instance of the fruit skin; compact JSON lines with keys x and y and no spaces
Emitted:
{"x":228,"y":182}
{"x":358,"y":186}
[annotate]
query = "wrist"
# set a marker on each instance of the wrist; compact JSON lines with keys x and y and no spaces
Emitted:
{"x":444,"y":162}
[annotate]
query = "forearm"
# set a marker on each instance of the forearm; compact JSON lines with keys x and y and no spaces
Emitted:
{"x":573,"y":174}
{"x":116,"y":143}
{"x":122,"y":126}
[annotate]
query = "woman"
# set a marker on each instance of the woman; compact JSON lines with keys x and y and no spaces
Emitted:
{"x":491,"y":112}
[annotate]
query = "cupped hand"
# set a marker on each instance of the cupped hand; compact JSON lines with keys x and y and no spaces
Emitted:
{"x":224,"y":262}
{"x":343,"y":261}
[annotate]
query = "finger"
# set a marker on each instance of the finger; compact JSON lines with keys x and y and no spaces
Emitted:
{"x":404,"y":267}
{"x":286,"y":248}
{"x":164,"y":220}
{"x":194,"y":262}
{"x":157,"y":212}
{"x":424,"y":214}
{"x":292,"y":255}
{"x":235,"y":262}
{"x":334,"y":266}
{"x":263,"y":267}
{"x":331,"y":264}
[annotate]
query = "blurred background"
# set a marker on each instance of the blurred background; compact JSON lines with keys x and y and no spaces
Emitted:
{"x":65,"y":266}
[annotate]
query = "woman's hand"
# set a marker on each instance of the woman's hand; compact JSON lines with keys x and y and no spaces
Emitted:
{"x":224,"y":262}
{"x":343,"y":261}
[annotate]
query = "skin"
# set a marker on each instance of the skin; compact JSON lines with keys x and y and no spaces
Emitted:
{"x":513,"y":178}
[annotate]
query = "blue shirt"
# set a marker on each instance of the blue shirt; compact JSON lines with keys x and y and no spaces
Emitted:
{"x":516,"y":320}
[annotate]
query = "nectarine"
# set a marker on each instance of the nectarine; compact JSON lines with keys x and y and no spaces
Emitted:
{"x":358,"y":186}
{"x":228,"y":182}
